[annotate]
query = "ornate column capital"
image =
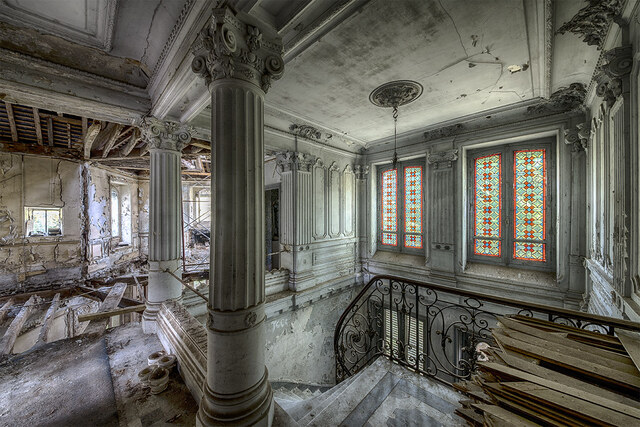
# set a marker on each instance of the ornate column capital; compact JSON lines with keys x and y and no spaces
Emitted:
{"x":230,"y":48}
{"x":578,"y":136}
{"x":442,"y":159}
{"x":165,"y":135}
{"x":294,"y":161}
{"x":361,"y":171}
{"x":617,"y":64}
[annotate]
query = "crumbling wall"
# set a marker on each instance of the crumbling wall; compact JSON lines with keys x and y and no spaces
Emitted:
{"x":31,"y":263}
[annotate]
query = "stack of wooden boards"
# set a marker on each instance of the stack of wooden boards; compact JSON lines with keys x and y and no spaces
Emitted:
{"x":550,"y":374}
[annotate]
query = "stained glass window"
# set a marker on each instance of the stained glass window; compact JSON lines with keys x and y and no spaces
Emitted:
{"x":389,"y":207}
{"x":488,"y":205}
{"x":413,"y":207}
{"x":529,"y":204}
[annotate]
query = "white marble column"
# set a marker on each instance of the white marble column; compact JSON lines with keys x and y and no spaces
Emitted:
{"x":165,"y":141}
{"x":238,"y":60}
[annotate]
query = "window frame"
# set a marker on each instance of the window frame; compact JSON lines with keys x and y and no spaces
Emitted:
{"x":115,"y":189}
{"x":29,"y":215}
{"x":507,"y":193}
{"x":400,"y":210}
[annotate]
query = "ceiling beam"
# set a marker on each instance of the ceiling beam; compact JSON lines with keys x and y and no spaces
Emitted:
{"x":133,"y":141}
{"x":115,"y":133}
{"x":12,"y":121}
{"x":89,"y":139}
{"x":36,"y":121}
{"x":45,"y":150}
{"x":50,"y":131}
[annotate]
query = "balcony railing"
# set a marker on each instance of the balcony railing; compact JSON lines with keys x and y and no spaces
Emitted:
{"x":433,"y":329}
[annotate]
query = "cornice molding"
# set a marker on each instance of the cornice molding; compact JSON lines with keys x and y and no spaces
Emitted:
{"x":564,"y":99}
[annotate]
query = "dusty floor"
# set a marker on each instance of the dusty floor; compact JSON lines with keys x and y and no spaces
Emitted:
{"x":90,"y":382}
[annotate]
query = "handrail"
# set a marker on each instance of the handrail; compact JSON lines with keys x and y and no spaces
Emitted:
{"x":472,"y":306}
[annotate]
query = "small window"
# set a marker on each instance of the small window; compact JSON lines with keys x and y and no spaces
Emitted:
{"x":115,"y":213}
{"x":43,"y":221}
{"x":401,"y":223}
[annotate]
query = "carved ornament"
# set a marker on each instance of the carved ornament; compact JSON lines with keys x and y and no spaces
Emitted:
{"x":592,"y":21}
{"x":361,"y":171}
{"x":578,"y":136}
{"x":443,"y":132}
{"x":395,"y":94}
{"x":306,"y":131}
{"x":165,"y":135}
{"x":563,"y":100}
{"x":442,"y":159}
{"x":617,"y":64}
{"x":229,"y":48}
{"x":294,"y":161}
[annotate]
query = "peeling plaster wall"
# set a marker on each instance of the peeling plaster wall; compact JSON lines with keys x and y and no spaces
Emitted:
{"x":143,"y":217}
{"x":30,"y":263}
{"x":105,"y":251}
{"x":299,"y":343}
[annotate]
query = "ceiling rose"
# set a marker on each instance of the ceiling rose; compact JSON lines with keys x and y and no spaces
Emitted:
{"x":396,"y":93}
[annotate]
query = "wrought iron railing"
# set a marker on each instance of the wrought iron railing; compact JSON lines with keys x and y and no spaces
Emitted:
{"x":435,"y":330}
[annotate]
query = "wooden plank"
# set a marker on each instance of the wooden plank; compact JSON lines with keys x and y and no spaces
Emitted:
{"x":112,"y":137}
{"x":12,"y":121}
{"x":576,"y":407}
{"x":68,"y":135}
{"x":50,"y":131}
{"x":107,"y":314}
{"x":36,"y":121}
{"x":10,"y":336}
{"x":562,"y":338}
{"x":581,"y":365}
{"x":85,"y":126}
{"x":110,"y":303}
{"x":470,"y":416}
{"x":90,"y":137}
{"x":48,"y":319}
{"x":140,"y":291}
{"x":509,"y":374}
{"x":527,"y":412}
{"x":506,"y":418}
{"x":5,"y":309}
{"x":631,"y":343}
{"x":38,"y":150}
{"x":611,"y":363}
{"x":133,"y":141}
{"x":558,"y":326}
{"x":562,"y":379}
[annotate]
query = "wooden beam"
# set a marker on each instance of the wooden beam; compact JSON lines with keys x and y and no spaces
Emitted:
{"x":85,"y":125}
{"x":68,"y":135}
{"x":631,"y":343}
{"x":110,"y":303}
{"x":12,"y":121}
{"x":61,"y":119}
{"x":107,"y":314}
{"x":50,"y":131}
{"x":140,"y":291}
{"x":133,"y":141}
{"x":48,"y":319}
{"x":5,"y":309}
{"x":9,"y":339}
{"x":113,"y":136}
{"x":201,"y":145}
{"x":90,"y":137}
{"x":45,"y":150}
{"x":36,"y":121}
{"x":99,"y":295}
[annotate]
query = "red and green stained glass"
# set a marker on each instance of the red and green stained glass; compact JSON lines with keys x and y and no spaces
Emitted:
{"x":389,"y":207}
{"x":529,"y":204}
{"x":413,"y":207}
{"x":488,"y":205}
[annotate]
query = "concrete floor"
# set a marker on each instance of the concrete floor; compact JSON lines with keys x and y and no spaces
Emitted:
{"x":90,"y":382}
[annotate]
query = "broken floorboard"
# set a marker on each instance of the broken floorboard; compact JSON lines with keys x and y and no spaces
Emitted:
{"x":5,"y":309}
{"x":110,"y":303}
{"x":48,"y":319}
{"x":107,"y":314}
{"x":100,"y":295}
{"x":10,"y":336}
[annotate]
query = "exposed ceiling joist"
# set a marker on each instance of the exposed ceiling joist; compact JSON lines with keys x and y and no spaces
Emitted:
{"x":12,"y":122}
{"x":113,"y":136}
{"x":36,"y":120}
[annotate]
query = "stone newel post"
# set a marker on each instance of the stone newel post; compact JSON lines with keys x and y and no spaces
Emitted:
{"x":238,"y":61}
{"x":165,"y":219}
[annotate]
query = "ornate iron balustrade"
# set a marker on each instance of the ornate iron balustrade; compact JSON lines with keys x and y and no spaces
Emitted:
{"x":433,"y":329}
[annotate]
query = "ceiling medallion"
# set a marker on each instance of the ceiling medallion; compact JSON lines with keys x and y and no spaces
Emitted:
{"x":396,"y":93}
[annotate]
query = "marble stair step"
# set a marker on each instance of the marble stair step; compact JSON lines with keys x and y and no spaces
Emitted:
{"x":300,"y":410}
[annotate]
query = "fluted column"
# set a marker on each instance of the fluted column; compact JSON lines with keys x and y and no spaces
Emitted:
{"x":238,"y":61}
{"x":165,"y":141}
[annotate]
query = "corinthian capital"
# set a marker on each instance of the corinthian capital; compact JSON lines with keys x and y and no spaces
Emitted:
{"x":231,"y":48}
{"x":165,"y":135}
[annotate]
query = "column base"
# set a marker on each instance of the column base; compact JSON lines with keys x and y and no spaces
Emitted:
{"x":162,"y":287}
{"x":252,"y":407}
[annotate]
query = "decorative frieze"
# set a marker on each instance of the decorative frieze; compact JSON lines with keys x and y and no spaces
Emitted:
{"x":578,"y":136}
{"x":442,"y":159}
{"x":306,"y":131}
{"x":230,"y":48}
{"x":164,"y":135}
{"x":444,"y":132}
{"x":563,"y":100}
{"x":592,"y":21}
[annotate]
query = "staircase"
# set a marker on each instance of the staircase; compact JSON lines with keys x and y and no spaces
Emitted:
{"x":382,"y":394}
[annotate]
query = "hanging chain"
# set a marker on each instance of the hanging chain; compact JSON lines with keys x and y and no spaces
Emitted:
{"x":395,"y":135}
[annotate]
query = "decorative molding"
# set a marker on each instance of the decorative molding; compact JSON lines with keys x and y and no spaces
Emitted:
{"x":563,"y":100}
{"x":229,"y":48}
{"x":548,"y":48}
{"x":396,"y":93}
{"x":578,"y":136}
{"x":443,"y":132}
{"x":334,"y":167}
{"x":361,"y":171}
{"x":165,"y":135}
{"x":294,"y":161}
{"x":442,"y":159}
{"x":592,"y":21}
{"x":616,"y":63}
{"x":306,"y":131}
